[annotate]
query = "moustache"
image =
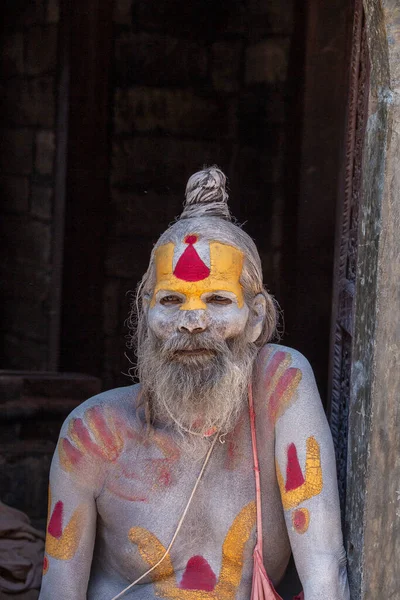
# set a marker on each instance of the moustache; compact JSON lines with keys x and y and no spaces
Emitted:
{"x":181,"y":342}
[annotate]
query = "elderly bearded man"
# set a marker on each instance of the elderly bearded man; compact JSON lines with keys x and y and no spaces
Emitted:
{"x":128,"y":460}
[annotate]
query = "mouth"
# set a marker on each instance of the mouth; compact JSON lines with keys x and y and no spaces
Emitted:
{"x":195,"y":352}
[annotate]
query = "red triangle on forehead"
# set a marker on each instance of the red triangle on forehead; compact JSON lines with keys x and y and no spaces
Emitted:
{"x":190,"y":267}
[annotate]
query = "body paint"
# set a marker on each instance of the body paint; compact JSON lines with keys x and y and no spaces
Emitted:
{"x":193,"y":278}
{"x":164,"y":578}
{"x":301,"y":520}
{"x":298,"y":489}
{"x":102,"y":438}
{"x":281,"y":381}
{"x":62,"y":541}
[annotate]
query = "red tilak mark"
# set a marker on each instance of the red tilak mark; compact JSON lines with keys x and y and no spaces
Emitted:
{"x":190,"y":267}
{"x":294,"y":476}
{"x":55,"y":524}
{"x":198,"y":575}
{"x":283,"y":384}
{"x":191,"y":239}
{"x":73,"y":454}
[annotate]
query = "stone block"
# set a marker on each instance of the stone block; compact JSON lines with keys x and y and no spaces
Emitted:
{"x":122,"y":12}
{"x":111,"y":300}
{"x":152,"y":59}
{"x":19,"y":317}
{"x":21,"y":278}
{"x":25,"y":239}
{"x":28,"y":102}
{"x":14,"y":192}
{"x":44,"y":152}
{"x":155,"y":163}
{"x":267,"y":61}
{"x":53,"y":11}
{"x":274,"y":16}
{"x":20,"y":353}
{"x":24,"y":475}
{"x":12,"y":55}
{"x":226,"y":65}
{"x":41,"y":50}
{"x":42,"y":201}
{"x":16,"y":151}
{"x":145,"y":213}
{"x":179,"y":112}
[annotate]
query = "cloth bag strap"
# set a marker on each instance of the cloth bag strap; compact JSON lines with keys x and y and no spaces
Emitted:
{"x":259,"y":544}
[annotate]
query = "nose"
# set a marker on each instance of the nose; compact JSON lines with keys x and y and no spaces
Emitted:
{"x":192,"y":321}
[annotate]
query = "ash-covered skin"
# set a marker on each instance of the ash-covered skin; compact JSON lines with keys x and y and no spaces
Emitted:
{"x":223,"y":316}
{"x":132,"y":479}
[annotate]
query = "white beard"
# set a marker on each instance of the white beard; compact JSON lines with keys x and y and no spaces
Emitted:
{"x":195,"y":393}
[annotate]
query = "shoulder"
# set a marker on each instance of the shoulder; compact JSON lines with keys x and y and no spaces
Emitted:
{"x":95,"y":434}
{"x":119,"y":402}
{"x":284,"y":380}
{"x":117,"y":399}
{"x":276,"y":355}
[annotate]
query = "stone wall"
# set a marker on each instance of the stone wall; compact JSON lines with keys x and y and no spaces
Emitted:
{"x":28,"y":57}
{"x":194,"y":83}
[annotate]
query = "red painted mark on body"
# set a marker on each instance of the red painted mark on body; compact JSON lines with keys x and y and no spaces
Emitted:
{"x":55,"y":524}
{"x":45,"y":565}
{"x":73,"y":455}
{"x":198,"y":575}
{"x":284,"y":383}
{"x":299,"y":519}
{"x":97,"y":421}
{"x":190,"y":267}
{"x":273,"y":365}
{"x":294,"y":475}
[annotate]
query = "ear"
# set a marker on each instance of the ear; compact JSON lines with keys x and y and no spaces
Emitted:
{"x":258,"y":309}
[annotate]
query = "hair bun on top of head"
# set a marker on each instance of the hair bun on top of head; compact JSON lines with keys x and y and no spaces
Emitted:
{"x":206,"y":195}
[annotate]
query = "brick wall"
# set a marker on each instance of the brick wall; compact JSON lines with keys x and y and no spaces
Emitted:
{"x":194,"y":83}
{"x":28,"y":58}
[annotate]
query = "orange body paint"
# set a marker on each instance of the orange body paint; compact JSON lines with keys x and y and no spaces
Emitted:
{"x":164,"y":578}
{"x":308,"y":486}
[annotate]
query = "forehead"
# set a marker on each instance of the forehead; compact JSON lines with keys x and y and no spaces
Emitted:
{"x":194,"y":265}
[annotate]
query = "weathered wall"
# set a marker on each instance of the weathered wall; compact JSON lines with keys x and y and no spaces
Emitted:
{"x":373,"y":505}
{"x":194,"y":83}
{"x":28,"y":57}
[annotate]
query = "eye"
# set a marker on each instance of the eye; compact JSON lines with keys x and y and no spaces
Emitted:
{"x":170,"y":300}
{"x":216,"y":299}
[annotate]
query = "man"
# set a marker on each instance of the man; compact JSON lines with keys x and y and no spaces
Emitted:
{"x":127,"y":460}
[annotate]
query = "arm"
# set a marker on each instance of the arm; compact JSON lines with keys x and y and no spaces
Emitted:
{"x":306,"y":472}
{"x":71,"y":525}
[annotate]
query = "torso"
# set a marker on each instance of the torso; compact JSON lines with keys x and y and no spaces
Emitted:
{"x":143,"y":489}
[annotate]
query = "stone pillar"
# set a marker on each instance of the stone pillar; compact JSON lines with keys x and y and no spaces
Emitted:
{"x":373,"y":491}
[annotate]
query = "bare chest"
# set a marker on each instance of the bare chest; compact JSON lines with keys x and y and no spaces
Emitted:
{"x":143,"y":499}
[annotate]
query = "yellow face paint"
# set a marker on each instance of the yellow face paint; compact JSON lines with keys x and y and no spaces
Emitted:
{"x":226,"y":263}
